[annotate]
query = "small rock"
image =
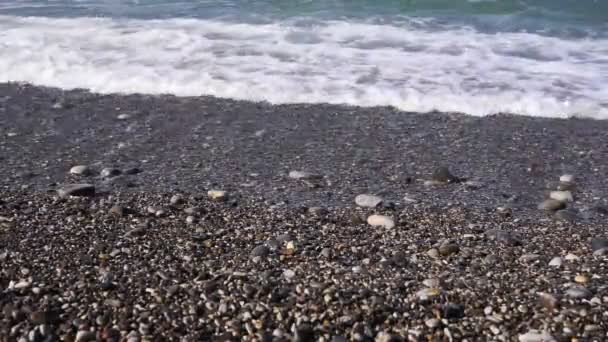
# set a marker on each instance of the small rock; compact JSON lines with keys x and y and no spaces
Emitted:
{"x":431,"y":282}
{"x":448,"y":249}
{"x":536,"y":336}
{"x":443,"y":175}
{"x":556,"y":262}
{"x":565,"y":186}
{"x":368,"y":201}
{"x":433,"y":253}
{"x":566,"y":215}
{"x":123,"y":116}
{"x":80,"y":170}
{"x":432,"y":323}
{"x":289,"y":274}
{"x":581,"y":279}
{"x":600,"y":252}
{"x":326,"y":253}
{"x":217,"y":195}
{"x":578,"y":292}
{"x":428,"y":293}
{"x":190,"y":219}
{"x":119,"y":211}
{"x":381,"y":221}
{"x":132,"y":171}
{"x":562,"y":196}
{"x":548,"y":301}
{"x":109,"y":172}
{"x":76,"y":190}
{"x":566,"y":178}
{"x":85,"y":336}
{"x":551,"y":205}
{"x":571,"y":257}
{"x":528,"y":258}
{"x":504,"y":236}
{"x":260,"y":251}
{"x":451,"y":311}
{"x":302,"y":175}
{"x":176,"y":200}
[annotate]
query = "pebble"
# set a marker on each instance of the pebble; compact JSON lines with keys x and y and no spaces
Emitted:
{"x":431,"y":282}
{"x":566,"y":178}
{"x":578,"y":292}
{"x":581,"y":279}
{"x":302,"y":175}
{"x":109,"y":172}
{"x":123,"y":116}
{"x":118,"y":211}
{"x":556,"y":262}
{"x":368,"y":201}
{"x":217,"y":195}
{"x":448,"y":249}
{"x":566,"y":215}
{"x":428,"y":293}
{"x":504,"y":236}
{"x":80,"y":170}
{"x":548,"y":301}
{"x":565,"y":186}
{"x":190,"y":219}
{"x":326,"y":253}
{"x":443,"y":175}
{"x":85,"y":336}
{"x":381,"y":221}
{"x":528,"y":258}
{"x":433,"y":253}
{"x":176,"y":200}
{"x":600,"y":252}
{"x":551,"y":205}
{"x":536,"y":336}
{"x":76,"y":190}
{"x":260,"y":251}
{"x":563,"y":196}
{"x":289,"y":274}
{"x":571,"y":257}
{"x":432,"y":323}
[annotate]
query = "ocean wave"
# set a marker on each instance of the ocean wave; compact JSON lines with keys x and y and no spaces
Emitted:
{"x":411,"y":66}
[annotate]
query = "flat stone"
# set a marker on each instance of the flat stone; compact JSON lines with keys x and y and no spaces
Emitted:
{"x":598,"y":243}
{"x":176,"y":199}
{"x":563,"y":196}
{"x":556,"y":262}
{"x":109,"y":172}
{"x":536,"y":336}
{"x":217,"y":195}
{"x":443,"y":175}
{"x":368,"y":201}
{"x":448,"y":249}
{"x":80,"y":170}
{"x":303,"y":175}
{"x":566,"y":178}
{"x":260,"y":251}
{"x":504,"y":236}
{"x":528,"y":258}
{"x":571,"y":257}
{"x":551,"y":205}
{"x":77,"y":190}
{"x":381,"y":221}
{"x":565,"y":186}
{"x":578,"y":292}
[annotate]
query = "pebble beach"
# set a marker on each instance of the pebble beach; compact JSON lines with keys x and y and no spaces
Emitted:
{"x":152,"y":218}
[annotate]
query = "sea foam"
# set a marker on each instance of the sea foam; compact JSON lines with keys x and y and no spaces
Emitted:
{"x":413,"y":65}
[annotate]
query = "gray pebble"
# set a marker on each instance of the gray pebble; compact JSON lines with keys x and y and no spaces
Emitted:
{"x":77,"y":190}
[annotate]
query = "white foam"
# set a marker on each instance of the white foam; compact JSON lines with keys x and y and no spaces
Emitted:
{"x":412,"y":67}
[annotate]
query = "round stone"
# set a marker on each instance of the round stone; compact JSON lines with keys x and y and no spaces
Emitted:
{"x":578,"y":292}
{"x":217,"y":195}
{"x":381,"y":221}
{"x":563,"y":196}
{"x":260,"y":251}
{"x":556,"y":262}
{"x":80,"y":170}
{"x":109,"y":172}
{"x":448,"y":249}
{"x":551,"y":205}
{"x":368,"y":201}
{"x":176,"y":200}
{"x":289,"y":274}
{"x":581,"y":279}
{"x":443,"y":175}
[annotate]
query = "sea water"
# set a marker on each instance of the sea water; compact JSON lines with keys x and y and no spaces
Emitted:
{"x":529,"y":57}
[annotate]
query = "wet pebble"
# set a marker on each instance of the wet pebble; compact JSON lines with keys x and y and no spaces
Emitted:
{"x":381,"y":221}
{"x":368,"y":201}
{"x":80,"y":170}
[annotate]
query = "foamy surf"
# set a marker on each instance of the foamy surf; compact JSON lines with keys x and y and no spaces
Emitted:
{"x":412,"y":65}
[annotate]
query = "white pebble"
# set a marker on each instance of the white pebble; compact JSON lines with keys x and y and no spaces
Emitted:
{"x":368,"y":201}
{"x":217,"y":195}
{"x":381,"y":221}
{"x":536,"y":336}
{"x":563,"y":196}
{"x":555,"y":262}
{"x":80,"y":170}
{"x":566,"y":178}
{"x":571,"y":257}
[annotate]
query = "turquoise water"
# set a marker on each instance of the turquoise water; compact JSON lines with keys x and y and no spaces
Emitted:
{"x":539,"y":57}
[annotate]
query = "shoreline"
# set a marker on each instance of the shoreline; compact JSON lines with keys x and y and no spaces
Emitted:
{"x":287,"y":254}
